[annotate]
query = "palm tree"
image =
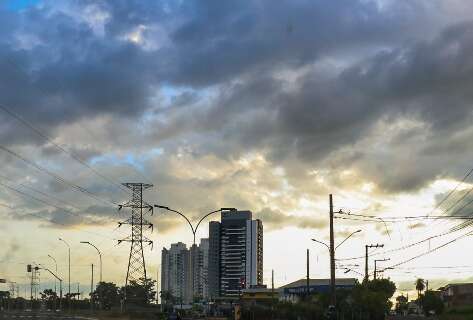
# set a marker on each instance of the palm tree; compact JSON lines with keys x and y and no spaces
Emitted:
{"x":420,"y":286}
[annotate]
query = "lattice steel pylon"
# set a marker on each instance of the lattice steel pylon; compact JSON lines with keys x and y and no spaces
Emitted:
{"x":136,"y":264}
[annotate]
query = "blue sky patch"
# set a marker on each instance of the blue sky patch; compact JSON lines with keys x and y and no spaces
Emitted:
{"x":17,"y":5}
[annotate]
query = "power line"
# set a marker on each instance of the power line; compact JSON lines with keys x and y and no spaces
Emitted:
{"x":430,"y":251}
{"x":55,"y":176}
{"x":452,"y":191}
{"x":42,"y":193}
{"x":51,"y":205}
{"x":400,"y":218}
{"x":70,"y":154}
{"x":406,"y":246}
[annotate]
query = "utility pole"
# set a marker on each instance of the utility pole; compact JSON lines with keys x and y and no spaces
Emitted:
{"x":333,"y":298}
{"x":69,"y":273}
{"x":136,"y":263}
{"x":366,"y":257}
{"x":272,"y":294}
{"x":375,"y":268}
{"x":308,"y":277}
{"x":92,"y":290}
{"x":157,"y":285}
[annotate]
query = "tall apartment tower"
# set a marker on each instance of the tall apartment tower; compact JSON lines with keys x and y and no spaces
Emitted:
{"x":235,"y":254}
{"x":201,"y":267}
{"x":176,"y":272}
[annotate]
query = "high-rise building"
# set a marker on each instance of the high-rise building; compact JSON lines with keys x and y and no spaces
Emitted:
{"x":176,"y":272}
{"x":201,"y":267}
{"x":235,"y":254}
{"x":214,"y":260}
{"x":185,"y":271}
{"x":254,"y":253}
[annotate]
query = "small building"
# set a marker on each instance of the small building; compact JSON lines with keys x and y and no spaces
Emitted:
{"x":259,"y":295}
{"x":457,"y":294}
{"x":293,"y":291}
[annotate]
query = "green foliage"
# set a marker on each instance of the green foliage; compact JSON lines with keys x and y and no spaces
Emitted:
{"x":431,"y":302}
{"x":369,"y":300}
{"x":401,"y":303}
{"x":107,"y":295}
{"x":286,"y":310}
{"x":50,"y":298}
{"x":140,"y":293}
{"x":372,"y":297}
{"x":420,"y":286}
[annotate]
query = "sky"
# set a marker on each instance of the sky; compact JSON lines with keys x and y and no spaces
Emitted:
{"x":258,"y":105}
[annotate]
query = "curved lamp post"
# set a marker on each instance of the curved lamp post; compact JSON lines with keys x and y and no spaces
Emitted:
{"x":328,"y":247}
{"x":194,"y":229}
{"x":55,"y":263}
{"x":100,"y":256}
{"x":69,"y":253}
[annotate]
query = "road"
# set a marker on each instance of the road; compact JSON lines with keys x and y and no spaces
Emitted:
{"x":410,"y":317}
{"x":41,"y":316}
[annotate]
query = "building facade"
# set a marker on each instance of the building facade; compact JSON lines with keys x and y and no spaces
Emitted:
{"x":176,"y":272}
{"x":200,"y":269}
{"x":235,"y":254}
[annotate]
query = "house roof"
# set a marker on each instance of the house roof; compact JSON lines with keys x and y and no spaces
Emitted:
{"x":320,"y":282}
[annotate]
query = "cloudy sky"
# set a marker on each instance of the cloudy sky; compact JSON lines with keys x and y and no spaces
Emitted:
{"x":259,"y":105}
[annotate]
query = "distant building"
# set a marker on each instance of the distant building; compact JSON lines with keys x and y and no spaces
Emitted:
{"x":457,"y":294}
{"x":235,"y":254}
{"x":259,"y":295}
{"x":200,"y":266}
{"x":176,"y":272}
{"x":294,"y":291}
{"x":214,"y":260}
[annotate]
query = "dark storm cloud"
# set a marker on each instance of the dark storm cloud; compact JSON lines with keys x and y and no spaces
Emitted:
{"x":309,"y":84}
{"x":324,"y":114}
{"x":222,"y":40}
{"x":69,"y":72}
{"x":63,"y":70}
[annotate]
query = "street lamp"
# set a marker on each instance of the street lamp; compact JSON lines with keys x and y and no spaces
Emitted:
{"x":100,"y":256}
{"x":69,"y":254}
{"x":328,"y":247}
{"x":60,"y":284}
{"x":331,"y":251}
{"x":194,"y":229}
{"x":55,"y":263}
{"x":55,"y":281}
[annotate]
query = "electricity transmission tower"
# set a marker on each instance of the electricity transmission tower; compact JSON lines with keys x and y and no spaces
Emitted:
{"x":136,"y":264}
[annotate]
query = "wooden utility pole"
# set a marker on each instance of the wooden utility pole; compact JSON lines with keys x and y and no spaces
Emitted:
{"x":366,"y":257}
{"x":375,"y":266}
{"x":333,"y":298}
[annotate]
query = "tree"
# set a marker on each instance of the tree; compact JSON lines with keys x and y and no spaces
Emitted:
{"x":372,"y":297}
{"x":50,"y":298}
{"x":401,"y":304}
{"x":140,"y":293}
{"x":431,"y":302}
{"x":106,"y":294}
{"x":420,"y":286}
